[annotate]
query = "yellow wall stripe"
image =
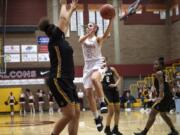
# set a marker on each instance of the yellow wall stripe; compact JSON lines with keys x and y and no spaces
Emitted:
{"x":4,"y":94}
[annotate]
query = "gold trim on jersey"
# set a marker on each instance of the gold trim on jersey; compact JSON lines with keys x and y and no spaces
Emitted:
{"x":156,"y":103}
{"x":61,"y":91}
{"x":58,"y":75}
{"x":106,"y":99}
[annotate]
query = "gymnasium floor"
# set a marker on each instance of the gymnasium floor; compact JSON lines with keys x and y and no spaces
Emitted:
{"x":42,"y":124}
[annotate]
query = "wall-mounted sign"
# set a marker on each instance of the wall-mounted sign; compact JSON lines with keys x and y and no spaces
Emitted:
{"x":42,"y":48}
{"x":43,"y":57}
{"x":29,"y":48}
{"x":29,"y":57}
{"x":11,"y":49}
{"x":12,"y":57}
{"x":42,"y":40}
{"x":25,"y":73}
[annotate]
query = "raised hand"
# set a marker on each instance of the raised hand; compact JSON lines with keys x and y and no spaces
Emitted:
{"x":63,"y":1}
{"x":74,"y":4}
{"x":112,"y":85}
{"x":131,"y":9}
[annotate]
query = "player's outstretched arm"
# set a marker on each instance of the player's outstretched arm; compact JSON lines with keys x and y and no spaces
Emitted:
{"x":65,"y":14}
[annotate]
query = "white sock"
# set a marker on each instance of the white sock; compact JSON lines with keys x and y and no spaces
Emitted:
{"x":101,"y":99}
{"x":95,"y":114}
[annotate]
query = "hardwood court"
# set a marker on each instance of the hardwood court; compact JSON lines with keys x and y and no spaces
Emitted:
{"x":42,"y":124}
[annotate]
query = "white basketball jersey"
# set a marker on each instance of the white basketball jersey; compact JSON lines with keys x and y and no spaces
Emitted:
{"x":91,"y":49}
{"x":31,"y":97}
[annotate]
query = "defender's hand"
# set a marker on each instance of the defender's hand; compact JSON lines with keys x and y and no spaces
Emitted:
{"x":74,"y":4}
{"x":112,"y":85}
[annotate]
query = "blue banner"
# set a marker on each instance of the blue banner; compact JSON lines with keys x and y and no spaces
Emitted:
{"x":43,"y":40}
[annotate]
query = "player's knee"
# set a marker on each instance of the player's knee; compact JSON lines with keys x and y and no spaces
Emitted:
{"x":70,"y":115}
{"x":163,"y":114}
{"x":110,"y":113}
{"x":77,"y":115}
{"x":152,"y":114}
{"x":94,"y":79}
{"x":89,"y":94}
{"x":117,"y":112}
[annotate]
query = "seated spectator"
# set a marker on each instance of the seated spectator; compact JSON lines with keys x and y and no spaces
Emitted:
{"x":80,"y":94}
{"x":178,"y":93}
{"x":144,"y":97}
{"x":129,"y":100}
{"x":123,"y":99}
{"x":151,"y":98}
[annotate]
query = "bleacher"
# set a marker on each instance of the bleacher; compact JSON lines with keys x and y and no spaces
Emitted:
{"x":172,"y":74}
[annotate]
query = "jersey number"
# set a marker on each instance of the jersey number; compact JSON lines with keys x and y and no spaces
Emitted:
{"x":107,"y":79}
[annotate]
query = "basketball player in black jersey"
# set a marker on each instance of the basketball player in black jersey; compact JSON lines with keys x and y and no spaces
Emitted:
{"x":61,"y":75}
{"x":162,"y":104}
{"x":112,"y":98}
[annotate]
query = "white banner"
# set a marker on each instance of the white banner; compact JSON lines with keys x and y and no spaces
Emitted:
{"x":78,"y":80}
{"x":29,"y":57}
{"x":12,"y":58}
{"x":73,"y":22}
{"x":80,"y":23}
{"x":99,"y":23}
{"x":43,"y":57}
{"x":92,"y":18}
{"x":162,"y":14}
{"x":11,"y":49}
{"x":21,"y":82}
{"x":177,"y":10}
{"x":29,"y":48}
{"x":30,"y":81}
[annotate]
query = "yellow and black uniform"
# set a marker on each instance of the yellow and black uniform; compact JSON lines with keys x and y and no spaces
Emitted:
{"x":164,"y":104}
{"x":111,"y":93}
{"x":61,"y":74}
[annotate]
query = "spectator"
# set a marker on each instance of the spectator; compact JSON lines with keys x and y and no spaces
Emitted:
{"x":81,"y":99}
{"x":22,"y":102}
{"x":129,"y":100}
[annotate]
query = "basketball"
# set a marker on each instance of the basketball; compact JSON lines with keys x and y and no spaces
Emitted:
{"x":107,"y":11}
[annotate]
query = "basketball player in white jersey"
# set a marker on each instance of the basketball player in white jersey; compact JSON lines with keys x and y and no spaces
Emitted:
{"x":92,"y":74}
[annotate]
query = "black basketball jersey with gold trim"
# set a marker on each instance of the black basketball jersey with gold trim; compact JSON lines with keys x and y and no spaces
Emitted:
{"x":167,"y":91}
{"x":61,"y":56}
{"x":108,"y":77}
